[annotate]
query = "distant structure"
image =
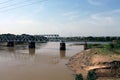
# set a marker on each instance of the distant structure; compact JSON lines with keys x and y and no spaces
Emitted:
{"x":29,"y":38}
{"x":62,"y":46}
{"x":22,"y":38}
{"x":52,"y":37}
{"x":12,"y":39}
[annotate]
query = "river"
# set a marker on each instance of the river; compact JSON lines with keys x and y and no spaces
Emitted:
{"x":46,"y":62}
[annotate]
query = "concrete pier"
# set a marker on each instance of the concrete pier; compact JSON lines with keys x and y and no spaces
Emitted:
{"x":31,"y":44}
{"x":85,"y":45}
{"x":10,"y":44}
{"x":62,"y":46}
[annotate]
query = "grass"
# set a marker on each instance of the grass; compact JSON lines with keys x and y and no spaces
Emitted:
{"x":94,"y":46}
{"x":98,"y":53}
{"x":112,"y":51}
{"x":106,"y":48}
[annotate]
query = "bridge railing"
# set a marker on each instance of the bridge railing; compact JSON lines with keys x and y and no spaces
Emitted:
{"x":22,"y":38}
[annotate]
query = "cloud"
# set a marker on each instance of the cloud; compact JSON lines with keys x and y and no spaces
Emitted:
{"x":17,"y":22}
{"x":105,"y":18}
{"x":108,"y":15}
{"x":111,"y":12}
{"x":72,"y":15}
{"x":97,"y":24}
{"x":95,"y":2}
{"x":18,"y":25}
{"x":101,"y":21}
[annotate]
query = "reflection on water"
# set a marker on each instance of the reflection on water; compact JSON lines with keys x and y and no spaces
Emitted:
{"x":11,"y":49}
{"x":32,"y":51}
{"x":46,"y":62}
{"x":62,"y":53}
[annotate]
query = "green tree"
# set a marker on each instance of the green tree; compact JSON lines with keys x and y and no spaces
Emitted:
{"x":79,"y":77}
{"x":91,"y":75}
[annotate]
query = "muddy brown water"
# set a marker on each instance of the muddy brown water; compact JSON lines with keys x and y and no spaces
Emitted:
{"x":46,"y":62}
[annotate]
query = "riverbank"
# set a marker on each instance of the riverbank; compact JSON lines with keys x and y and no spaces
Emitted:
{"x":96,"y":59}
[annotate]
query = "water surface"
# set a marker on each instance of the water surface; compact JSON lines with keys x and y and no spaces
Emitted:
{"x":46,"y":62}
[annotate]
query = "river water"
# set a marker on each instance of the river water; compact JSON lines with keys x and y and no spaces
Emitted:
{"x":46,"y":62}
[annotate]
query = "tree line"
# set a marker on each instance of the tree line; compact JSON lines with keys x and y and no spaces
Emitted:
{"x":91,"y":38}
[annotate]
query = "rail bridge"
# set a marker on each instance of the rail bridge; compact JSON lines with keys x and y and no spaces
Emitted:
{"x":12,"y":39}
{"x":22,"y":38}
{"x":52,"y":37}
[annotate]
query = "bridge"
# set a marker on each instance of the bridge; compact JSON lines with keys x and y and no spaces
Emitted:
{"x":14,"y":39}
{"x":11,"y":39}
{"x":52,"y":37}
{"x":22,"y":38}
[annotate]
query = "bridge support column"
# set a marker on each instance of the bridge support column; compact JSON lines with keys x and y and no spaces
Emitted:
{"x":10,"y":44}
{"x":31,"y":44}
{"x":85,"y":46}
{"x":62,"y":46}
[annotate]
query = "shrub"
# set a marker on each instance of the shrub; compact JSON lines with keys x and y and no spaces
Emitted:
{"x":109,"y":46}
{"x":79,"y":77}
{"x":91,"y":75}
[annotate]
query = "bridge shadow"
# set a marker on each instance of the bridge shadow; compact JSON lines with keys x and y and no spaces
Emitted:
{"x":31,"y":51}
{"x":62,"y":54}
{"x":11,"y":49}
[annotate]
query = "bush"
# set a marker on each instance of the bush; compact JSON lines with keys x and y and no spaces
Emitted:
{"x":91,"y":75}
{"x":112,"y":46}
{"x":117,"y":45}
{"x":94,"y":46}
{"x":109,"y":46}
{"x":89,"y":46}
{"x":79,"y":77}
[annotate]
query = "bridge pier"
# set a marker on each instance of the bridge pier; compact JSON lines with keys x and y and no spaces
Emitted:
{"x":10,"y":44}
{"x":85,"y":45}
{"x":31,"y":44}
{"x":62,"y":46}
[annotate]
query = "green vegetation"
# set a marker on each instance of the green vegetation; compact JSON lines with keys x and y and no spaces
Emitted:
{"x":112,"y":48}
{"x":95,"y":46}
{"x":79,"y":77}
{"x":91,"y":38}
{"x":109,"y":46}
{"x":91,"y":75}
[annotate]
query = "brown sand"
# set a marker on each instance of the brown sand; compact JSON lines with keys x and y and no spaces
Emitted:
{"x":90,"y":59}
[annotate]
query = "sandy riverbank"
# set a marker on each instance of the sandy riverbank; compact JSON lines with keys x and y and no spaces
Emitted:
{"x":92,"y":59}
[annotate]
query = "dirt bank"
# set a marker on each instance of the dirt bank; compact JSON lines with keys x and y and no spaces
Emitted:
{"x":105,"y":65}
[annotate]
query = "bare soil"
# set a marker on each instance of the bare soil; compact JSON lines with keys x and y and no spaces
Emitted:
{"x":106,"y":66}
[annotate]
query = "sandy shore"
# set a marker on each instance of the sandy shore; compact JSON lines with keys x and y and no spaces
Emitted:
{"x":90,"y":59}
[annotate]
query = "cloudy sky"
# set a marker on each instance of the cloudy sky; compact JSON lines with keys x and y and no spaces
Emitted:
{"x":63,"y":17}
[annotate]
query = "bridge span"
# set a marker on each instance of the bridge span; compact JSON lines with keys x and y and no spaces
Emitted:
{"x":12,"y":39}
{"x":22,"y":38}
{"x":52,"y":37}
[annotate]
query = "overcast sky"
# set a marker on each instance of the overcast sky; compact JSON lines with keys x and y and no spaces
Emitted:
{"x":63,"y":17}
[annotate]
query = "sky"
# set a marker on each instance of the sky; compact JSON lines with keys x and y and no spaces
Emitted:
{"x":63,"y":17}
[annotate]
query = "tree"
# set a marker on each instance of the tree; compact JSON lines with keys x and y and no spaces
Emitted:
{"x":79,"y":77}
